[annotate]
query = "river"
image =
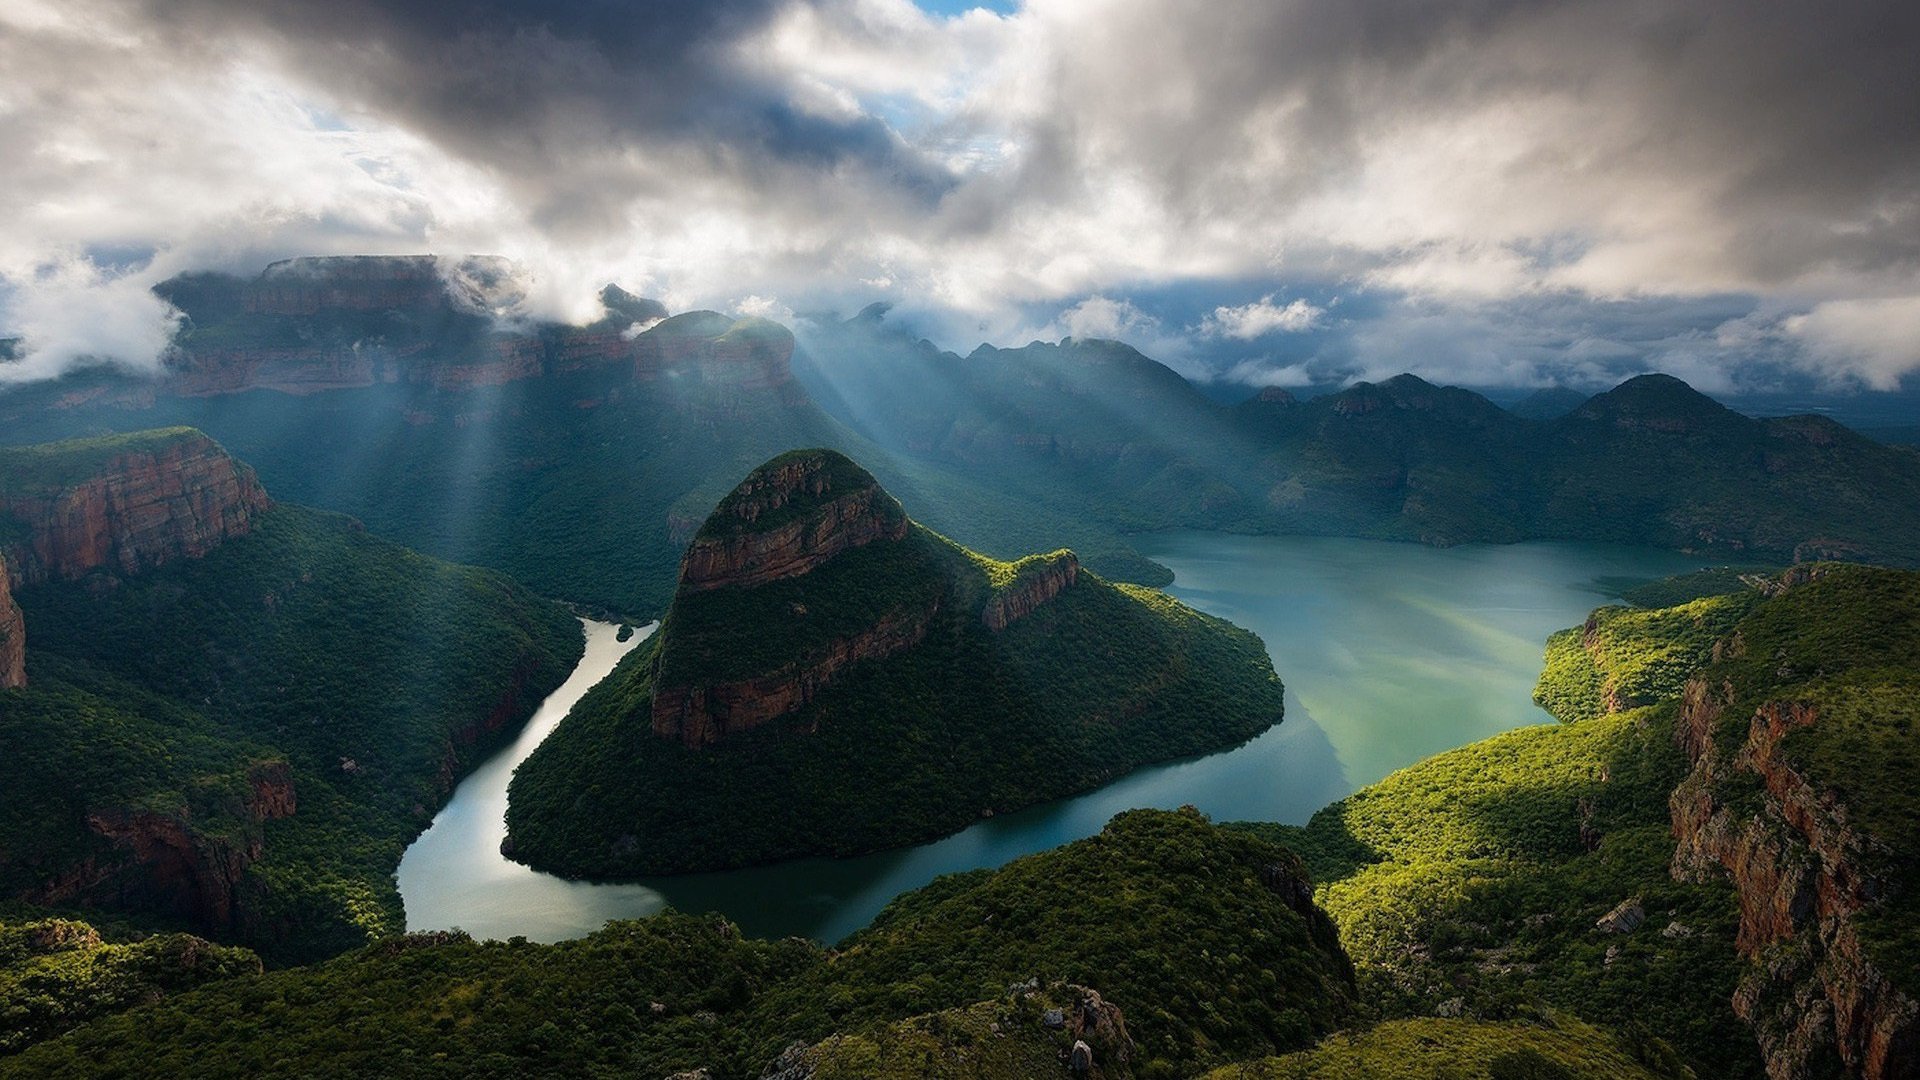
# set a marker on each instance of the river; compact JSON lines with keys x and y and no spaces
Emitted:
{"x":1390,"y":652}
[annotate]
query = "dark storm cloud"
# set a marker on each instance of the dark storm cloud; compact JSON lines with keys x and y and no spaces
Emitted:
{"x":580,"y":106}
{"x":1534,"y":189}
{"x":1795,"y":125}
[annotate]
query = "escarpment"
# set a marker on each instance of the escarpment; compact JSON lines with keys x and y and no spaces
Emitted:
{"x":788,"y":517}
{"x":306,"y":326}
{"x":1036,"y":581}
{"x":1794,"y":794}
{"x":833,"y":678}
{"x":122,"y":503}
{"x":13,"y":635}
{"x":173,"y":862}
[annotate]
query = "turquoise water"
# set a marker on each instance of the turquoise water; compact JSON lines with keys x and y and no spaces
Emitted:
{"x":1390,"y":652}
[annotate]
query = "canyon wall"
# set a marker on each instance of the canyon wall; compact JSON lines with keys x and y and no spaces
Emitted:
{"x":785,"y":520}
{"x":13,"y":635}
{"x":175,"y":495}
{"x":1033,"y":586}
{"x":1801,"y":873}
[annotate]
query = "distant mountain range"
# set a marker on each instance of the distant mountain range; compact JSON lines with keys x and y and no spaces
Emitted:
{"x":581,"y":458}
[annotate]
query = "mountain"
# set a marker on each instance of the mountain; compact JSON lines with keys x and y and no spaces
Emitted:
{"x":834,"y":678}
{"x":1548,"y":403}
{"x":1713,"y":855}
{"x":1096,"y":427}
{"x":995,"y":974}
{"x":237,"y":713}
{"x":579,"y":459}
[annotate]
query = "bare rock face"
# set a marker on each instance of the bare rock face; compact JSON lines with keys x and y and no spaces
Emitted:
{"x":1797,"y":867}
{"x":703,"y":715}
{"x":1037,"y":583}
{"x":166,"y":498}
{"x":171,"y":862}
{"x":13,"y":636}
{"x":788,"y":517}
{"x":785,"y":520}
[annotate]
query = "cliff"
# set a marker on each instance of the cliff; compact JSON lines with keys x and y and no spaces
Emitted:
{"x":122,"y":503}
{"x":1799,"y":794}
{"x":13,"y":635}
{"x":1036,"y":580}
{"x":787,"y":518}
{"x":834,"y":678}
{"x":310,"y":325}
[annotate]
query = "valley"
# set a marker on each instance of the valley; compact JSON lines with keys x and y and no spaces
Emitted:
{"x":897,"y":784}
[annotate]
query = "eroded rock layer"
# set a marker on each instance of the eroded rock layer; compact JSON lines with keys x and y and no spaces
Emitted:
{"x":172,"y":495}
{"x":787,"y":518}
{"x":1806,"y":872}
{"x":13,"y":636}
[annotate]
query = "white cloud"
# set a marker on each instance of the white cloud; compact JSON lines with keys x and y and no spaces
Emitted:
{"x":1876,"y":341}
{"x":1262,"y":317}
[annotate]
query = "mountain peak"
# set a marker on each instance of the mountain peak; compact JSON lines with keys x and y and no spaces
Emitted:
{"x":786,"y":518}
{"x":1655,"y":402}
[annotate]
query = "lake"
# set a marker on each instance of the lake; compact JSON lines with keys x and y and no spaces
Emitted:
{"x":1390,"y":652}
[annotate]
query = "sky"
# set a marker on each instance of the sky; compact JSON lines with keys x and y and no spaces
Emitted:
{"x":1257,"y":192}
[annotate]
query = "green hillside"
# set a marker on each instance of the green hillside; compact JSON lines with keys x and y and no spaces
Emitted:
{"x":1202,"y":937}
{"x":185,"y":709}
{"x":964,"y":722}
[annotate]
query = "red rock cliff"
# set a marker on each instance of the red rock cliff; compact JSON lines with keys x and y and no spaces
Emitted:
{"x":734,"y":549}
{"x":787,"y":519}
{"x":1797,"y":868}
{"x":174,"y":861}
{"x":166,"y":498}
{"x":13,"y":636}
{"x":703,"y":715}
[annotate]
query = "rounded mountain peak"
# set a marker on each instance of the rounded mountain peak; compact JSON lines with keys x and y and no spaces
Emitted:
{"x":787,"y":517}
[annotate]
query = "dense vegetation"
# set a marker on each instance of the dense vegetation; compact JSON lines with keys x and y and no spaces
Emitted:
{"x":1432,"y":1049}
{"x":1195,"y":932}
{"x":56,"y":974}
{"x":181,"y":701}
{"x":1471,"y":884}
{"x":967,"y":723}
{"x":1624,"y":658}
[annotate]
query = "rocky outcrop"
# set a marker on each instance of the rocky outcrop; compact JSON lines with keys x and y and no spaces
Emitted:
{"x":13,"y":636}
{"x":1800,"y":872}
{"x":702,"y":715}
{"x":166,"y":496}
{"x":787,"y":518}
{"x":176,"y":863}
{"x":1036,"y":582}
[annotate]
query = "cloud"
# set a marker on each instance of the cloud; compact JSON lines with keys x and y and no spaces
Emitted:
{"x":73,"y":316}
{"x":1876,"y":341}
{"x":1468,"y":165}
{"x":1266,"y":373}
{"x":1260,"y":318}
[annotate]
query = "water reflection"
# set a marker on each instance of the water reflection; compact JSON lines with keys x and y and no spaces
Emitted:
{"x":1391,"y":652}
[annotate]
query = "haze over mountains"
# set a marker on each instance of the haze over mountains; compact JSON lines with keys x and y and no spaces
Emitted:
{"x":373,"y":387}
